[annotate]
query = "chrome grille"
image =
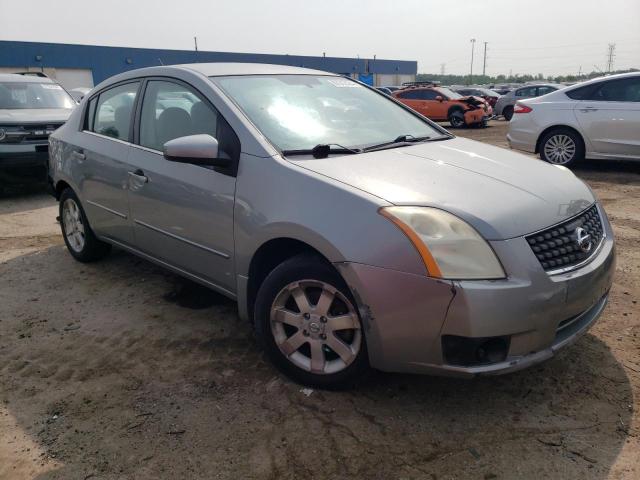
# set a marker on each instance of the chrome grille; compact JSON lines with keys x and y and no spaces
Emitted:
{"x":558,"y":247}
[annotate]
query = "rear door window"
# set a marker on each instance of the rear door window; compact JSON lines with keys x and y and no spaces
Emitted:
{"x":113,"y":111}
{"x":526,"y":92}
{"x":623,"y":90}
{"x":411,"y":95}
{"x":545,"y":89}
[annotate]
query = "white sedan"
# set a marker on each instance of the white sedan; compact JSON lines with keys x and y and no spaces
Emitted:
{"x":598,"y":119}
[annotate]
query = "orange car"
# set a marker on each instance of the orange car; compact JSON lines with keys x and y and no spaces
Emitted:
{"x":440,"y":104}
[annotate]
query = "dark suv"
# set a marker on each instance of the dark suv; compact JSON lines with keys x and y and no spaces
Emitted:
{"x":31,"y":108}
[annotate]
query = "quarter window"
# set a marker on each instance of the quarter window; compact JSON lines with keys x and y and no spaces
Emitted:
{"x":172,"y":110}
{"x":113,"y":111}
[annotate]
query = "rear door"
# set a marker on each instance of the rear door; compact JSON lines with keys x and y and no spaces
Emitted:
{"x":609,"y":115}
{"x":101,"y":159}
{"x":182,"y":213}
{"x":415,"y":99}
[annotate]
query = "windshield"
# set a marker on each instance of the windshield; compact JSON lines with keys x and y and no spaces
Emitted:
{"x":298,"y":112}
{"x":449,"y":93}
{"x":33,"y":95}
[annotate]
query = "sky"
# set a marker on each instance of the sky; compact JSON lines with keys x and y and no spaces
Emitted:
{"x":552,"y":37}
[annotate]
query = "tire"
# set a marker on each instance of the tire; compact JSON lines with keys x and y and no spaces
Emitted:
{"x":507,"y":113}
{"x":456,"y":119}
{"x":297,"y":309}
{"x":561,"y":146}
{"x":81,"y":242}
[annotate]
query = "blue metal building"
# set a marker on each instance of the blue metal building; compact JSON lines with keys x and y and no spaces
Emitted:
{"x":87,"y":65}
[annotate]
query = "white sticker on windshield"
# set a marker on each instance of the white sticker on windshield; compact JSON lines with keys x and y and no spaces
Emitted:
{"x":51,"y":86}
{"x":343,"y":83}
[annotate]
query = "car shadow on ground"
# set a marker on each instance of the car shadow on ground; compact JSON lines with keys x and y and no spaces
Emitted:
{"x":104,"y":371}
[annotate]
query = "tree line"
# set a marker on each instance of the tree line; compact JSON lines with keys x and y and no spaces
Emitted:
{"x":517,"y":78}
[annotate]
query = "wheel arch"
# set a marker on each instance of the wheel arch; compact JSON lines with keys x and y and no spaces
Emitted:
{"x":558,"y":127}
{"x":455,"y":108}
{"x":60,"y":187}
{"x":268,"y":256}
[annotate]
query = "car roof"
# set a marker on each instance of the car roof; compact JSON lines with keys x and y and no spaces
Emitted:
{"x":604,"y":78}
{"x":223,"y":69}
{"x":14,"y":77}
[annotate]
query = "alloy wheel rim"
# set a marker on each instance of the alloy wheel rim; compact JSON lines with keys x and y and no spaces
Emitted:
{"x":457,"y":121}
{"x":315,"y":327}
{"x":73,"y":226}
{"x":560,"y":149}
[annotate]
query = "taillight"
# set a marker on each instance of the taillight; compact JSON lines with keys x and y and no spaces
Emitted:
{"x":522,"y":109}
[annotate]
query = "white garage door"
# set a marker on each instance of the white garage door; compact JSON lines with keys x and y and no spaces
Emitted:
{"x":69,"y":78}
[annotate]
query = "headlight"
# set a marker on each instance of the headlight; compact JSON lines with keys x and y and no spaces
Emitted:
{"x":449,"y":247}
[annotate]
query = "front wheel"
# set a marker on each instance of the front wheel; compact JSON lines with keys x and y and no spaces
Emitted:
{"x":78,"y":236}
{"x":308,"y":324}
{"x":456,"y":119}
{"x":561,"y":147}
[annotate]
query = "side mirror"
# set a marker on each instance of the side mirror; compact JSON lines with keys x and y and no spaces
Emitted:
{"x":195,"y":149}
{"x":440,"y":98}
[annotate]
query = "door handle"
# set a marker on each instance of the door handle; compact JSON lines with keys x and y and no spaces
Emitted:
{"x":79,"y":155}
{"x":589,"y":109}
{"x":139,"y":174}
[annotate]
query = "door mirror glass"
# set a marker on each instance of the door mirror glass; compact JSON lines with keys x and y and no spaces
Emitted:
{"x":195,"y":149}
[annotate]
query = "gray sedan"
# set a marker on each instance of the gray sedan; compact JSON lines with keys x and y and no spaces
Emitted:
{"x":504,"y":105}
{"x":352,"y":231}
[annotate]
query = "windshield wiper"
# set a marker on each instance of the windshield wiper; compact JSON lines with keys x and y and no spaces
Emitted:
{"x":322,"y":150}
{"x":399,"y":141}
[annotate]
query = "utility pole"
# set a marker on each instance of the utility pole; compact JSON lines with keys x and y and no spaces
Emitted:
{"x":442,"y":65}
{"x":612,"y":49}
{"x":195,"y":41}
{"x":473,"y":47}
{"x":484,"y":64}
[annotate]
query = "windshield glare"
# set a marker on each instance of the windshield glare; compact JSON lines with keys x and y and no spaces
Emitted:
{"x":26,"y":95}
{"x":298,"y":112}
{"x":449,"y":93}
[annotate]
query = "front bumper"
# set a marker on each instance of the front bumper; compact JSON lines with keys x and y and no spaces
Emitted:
{"x":406,"y":316}
{"x":23,"y":161}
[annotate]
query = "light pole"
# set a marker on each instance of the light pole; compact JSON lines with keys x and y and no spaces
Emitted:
{"x":473,"y":47}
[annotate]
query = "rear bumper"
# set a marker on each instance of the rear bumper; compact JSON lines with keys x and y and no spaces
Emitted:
{"x":407,"y":317}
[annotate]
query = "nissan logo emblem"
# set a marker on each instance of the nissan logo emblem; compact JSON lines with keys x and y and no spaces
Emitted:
{"x":583,"y":240}
{"x":2,"y":133}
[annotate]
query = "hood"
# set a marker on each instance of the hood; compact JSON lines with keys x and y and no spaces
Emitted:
{"x":473,"y":100}
{"x":20,"y":116}
{"x":501,"y":193}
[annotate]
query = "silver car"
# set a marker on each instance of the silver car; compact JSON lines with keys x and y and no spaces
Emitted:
{"x":505,"y":104}
{"x":597,"y":119}
{"x":31,"y":108}
{"x":352,"y":231}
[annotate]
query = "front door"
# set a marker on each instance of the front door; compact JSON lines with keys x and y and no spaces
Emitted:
{"x":182,"y":213}
{"x":610,"y":117}
{"x":102,"y":152}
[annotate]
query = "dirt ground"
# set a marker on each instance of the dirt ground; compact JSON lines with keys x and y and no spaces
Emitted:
{"x":120,"y":370}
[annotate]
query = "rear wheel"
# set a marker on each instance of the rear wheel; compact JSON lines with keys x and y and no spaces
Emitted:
{"x":561,"y":147}
{"x":78,"y":236}
{"x":456,"y":119}
{"x":308,"y":324}
{"x":507,"y":112}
